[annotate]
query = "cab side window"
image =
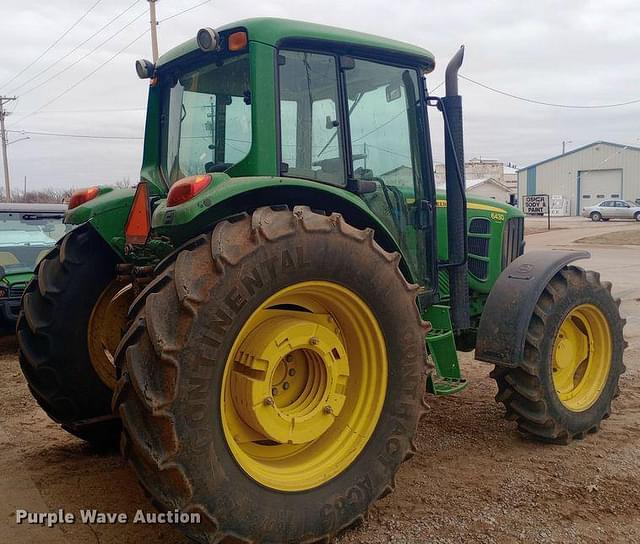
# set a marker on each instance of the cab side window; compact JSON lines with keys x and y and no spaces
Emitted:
{"x":310,"y":131}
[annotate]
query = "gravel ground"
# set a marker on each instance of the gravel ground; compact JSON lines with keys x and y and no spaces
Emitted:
{"x":473,"y":480}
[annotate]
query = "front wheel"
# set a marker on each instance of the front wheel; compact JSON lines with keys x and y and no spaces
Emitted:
{"x":637,"y":216}
{"x":596,"y":216}
{"x":573,"y":360}
{"x":273,"y":377}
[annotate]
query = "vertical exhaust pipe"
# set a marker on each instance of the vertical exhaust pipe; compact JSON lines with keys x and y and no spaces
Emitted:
{"x":456,"y":197}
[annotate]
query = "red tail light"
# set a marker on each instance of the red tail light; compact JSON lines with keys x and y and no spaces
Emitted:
{"x":82,"y":196}
{"x":138,"y":224}
{"x":185,"y":189}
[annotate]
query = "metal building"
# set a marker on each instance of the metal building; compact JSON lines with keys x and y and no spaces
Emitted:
{"x":585,"y":176}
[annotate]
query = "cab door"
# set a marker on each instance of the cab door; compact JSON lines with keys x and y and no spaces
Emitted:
{"x":387,"y":147}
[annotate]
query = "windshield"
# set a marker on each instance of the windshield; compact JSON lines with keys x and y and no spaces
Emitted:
{"x":26,"y":237}
{"x":208,"y":127}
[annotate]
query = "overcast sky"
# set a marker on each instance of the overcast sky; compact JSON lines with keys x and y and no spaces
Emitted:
{"x":572,"y":52}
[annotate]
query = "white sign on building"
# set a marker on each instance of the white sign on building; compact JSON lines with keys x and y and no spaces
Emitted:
{"x":535,"y":204}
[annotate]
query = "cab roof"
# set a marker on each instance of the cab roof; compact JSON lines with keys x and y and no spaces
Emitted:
{"x":272,"y":31}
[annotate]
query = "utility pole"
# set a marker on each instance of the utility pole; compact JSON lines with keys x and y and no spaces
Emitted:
{"x":154,"y":30}
{"x":5,"y":143}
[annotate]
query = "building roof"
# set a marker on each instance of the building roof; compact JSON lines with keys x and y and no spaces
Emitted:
{"x":475,"y":182}
{"x":483,"y":160}
{"x":472,"y":183}
{"x":598,"y":142}
{"x":36,"y":207}
{"x":272,"y":31}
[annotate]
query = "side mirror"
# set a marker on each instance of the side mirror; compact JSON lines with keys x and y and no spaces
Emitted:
{"x":145,"y":68}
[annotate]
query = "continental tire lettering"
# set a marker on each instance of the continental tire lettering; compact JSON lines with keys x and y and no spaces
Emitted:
{"x":235,"y":301}
{"x":221,"y":323}
{"x":252,"y":280}
{"x":287,"y":261}
{"x":393,"y":453}
{"x":300,"y":255}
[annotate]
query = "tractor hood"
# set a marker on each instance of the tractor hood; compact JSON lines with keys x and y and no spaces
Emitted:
{"x":15,"y":277}
{"x":483,"y":204}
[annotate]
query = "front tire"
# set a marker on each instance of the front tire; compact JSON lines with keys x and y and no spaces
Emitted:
{"x":209,"y":425}
{"x":573,"y":360}
{"x":596,"y":216}
{"x":54,"y":339}
{"x":637,"y":216}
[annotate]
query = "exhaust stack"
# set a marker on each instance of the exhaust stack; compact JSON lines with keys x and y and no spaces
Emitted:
{"x":456,"y":198}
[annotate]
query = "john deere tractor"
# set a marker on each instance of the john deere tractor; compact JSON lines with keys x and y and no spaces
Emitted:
{"x":264,"y":313}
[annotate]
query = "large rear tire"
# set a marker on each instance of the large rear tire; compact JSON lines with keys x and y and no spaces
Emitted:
{"x":209,"y":423}
{"x":53,"y":336}
{"x":573,"y":360}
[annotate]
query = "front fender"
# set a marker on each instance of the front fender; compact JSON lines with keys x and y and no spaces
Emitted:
{"x":510,"y":304}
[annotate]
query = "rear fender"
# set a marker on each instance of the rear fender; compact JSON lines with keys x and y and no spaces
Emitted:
{"x":107,"y":214}
{"x":230,"y":196}
{"x":510,"y":304}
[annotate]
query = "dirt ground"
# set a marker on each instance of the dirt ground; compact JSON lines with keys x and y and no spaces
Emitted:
{"x":473,"y":480}
{"x":619,"y":238}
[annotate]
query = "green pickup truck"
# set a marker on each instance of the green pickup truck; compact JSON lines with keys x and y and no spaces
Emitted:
{"x":27,"y":233}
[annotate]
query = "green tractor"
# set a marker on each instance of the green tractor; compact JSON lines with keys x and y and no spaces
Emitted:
{"x":263,"y":315}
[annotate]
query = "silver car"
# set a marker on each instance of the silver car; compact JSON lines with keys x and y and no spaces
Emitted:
{"x":612,"y":209}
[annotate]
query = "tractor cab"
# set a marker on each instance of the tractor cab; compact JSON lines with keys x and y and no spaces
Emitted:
{"x":257,"y":99}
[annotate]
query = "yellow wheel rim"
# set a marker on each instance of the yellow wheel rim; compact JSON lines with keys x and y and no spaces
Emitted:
{"x":105,"y":328}
{"x":304,"y":385}
{"x":582,"y":357}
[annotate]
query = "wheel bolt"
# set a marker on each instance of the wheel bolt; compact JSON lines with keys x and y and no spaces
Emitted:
{"x":314,"y":340}
{"x":292,"y":372}
{"x":274,"y":391}
{"x":285,"y":385}
{"x":268,"y":401}
{"x":288,"y":358}
{"x":327,"y":410}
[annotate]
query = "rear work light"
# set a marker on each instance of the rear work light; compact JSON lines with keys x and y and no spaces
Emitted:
{"x":185,"y":189}
{"x":138,"y":224}
{"x":82,"y":196}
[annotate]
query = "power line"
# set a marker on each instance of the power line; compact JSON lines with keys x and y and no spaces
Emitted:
{"x":184,"y":11}
{"x":104,"y":110}
{"x":76,"y":23}
{"x":66,"y":135}
{"x":553,"y":104}
{"x":436,"y":87}
{"x":105,"y":63}
{"x":80,"y":59}
{"x":60,"y":59}
{"x":85,"y":78}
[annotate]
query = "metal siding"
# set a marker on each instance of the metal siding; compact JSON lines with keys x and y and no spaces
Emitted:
{"x":560,"y":176}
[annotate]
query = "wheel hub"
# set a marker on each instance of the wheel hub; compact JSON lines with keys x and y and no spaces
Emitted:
{"x":581,"y":357}
{"x":105,"y":328}
{"x":290,"y":376}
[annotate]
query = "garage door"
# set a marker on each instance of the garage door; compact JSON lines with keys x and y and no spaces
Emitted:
{"x":598,"y":185}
